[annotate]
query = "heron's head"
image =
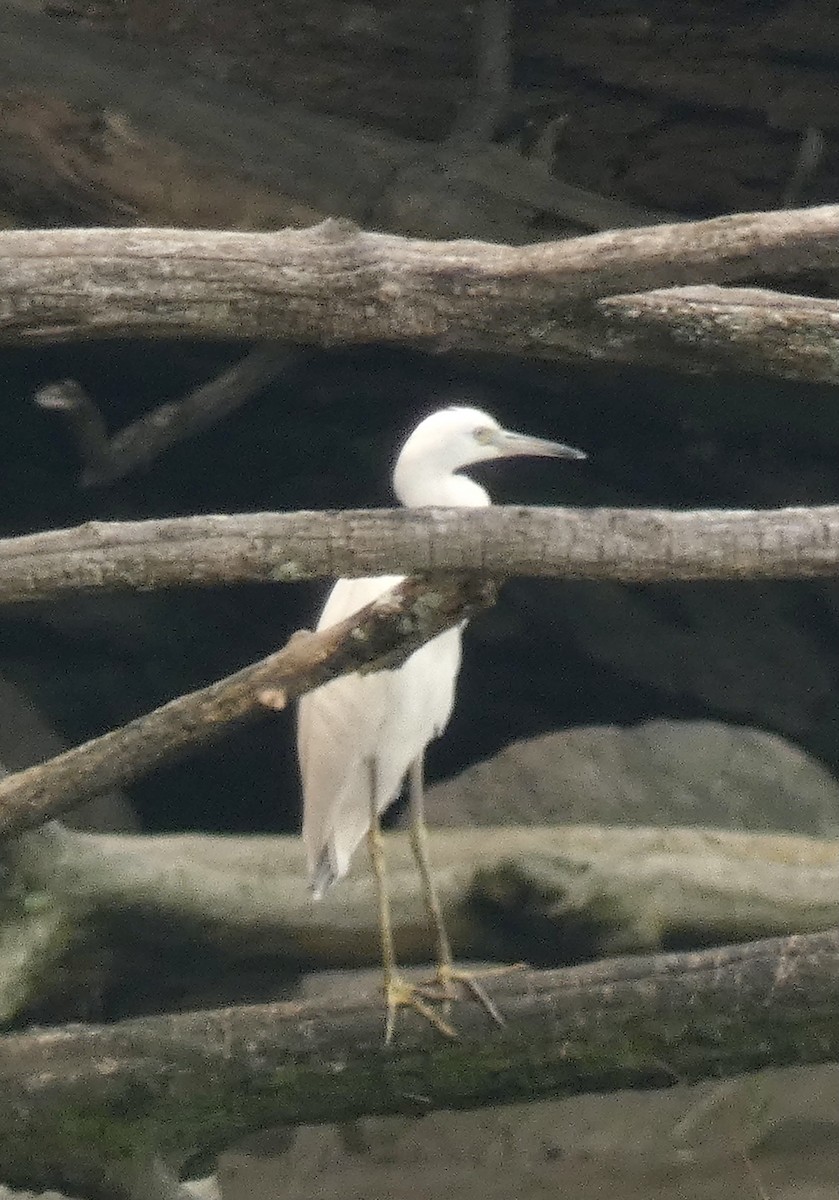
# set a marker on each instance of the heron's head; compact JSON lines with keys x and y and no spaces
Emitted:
{"x":457,"y":437}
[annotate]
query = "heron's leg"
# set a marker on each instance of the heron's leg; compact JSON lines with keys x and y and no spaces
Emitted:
{"x":419,"y":845}
{"x":377,"y":859}
{"x":398,"y":992}
{"x":447,"y":974}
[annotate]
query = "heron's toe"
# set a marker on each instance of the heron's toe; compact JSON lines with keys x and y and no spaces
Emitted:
{"x":450,"y":978}
{"x":401,"y":994}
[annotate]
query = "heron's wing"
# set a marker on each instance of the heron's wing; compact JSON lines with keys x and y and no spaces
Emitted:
{"x":348,"y":596}
{"x":382,"y":721}
{"x":339,"y":728}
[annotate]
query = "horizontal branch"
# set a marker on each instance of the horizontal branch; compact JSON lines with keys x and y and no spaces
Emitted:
{"x":334,"y":284}
{"x":380,"y":635}
{"x":77,"y":1103}
{"x":632,"y":888}
{"x":714,"y":329}
{"x":633,"y":545}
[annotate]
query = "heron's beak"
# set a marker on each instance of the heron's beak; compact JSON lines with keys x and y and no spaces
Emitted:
{"x":516,"y":444}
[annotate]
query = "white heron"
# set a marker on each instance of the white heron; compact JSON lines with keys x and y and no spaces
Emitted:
{"x":360,"y":735}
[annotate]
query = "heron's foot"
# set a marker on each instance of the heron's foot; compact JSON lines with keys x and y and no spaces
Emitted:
{"x":401,"y":994}
{"x":450,"y":979}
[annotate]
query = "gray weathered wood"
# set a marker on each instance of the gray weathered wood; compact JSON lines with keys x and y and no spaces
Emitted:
{"x":334,"y":285}
{"x":634,"y":887}
{"x":710,"y":329}
{"x":637,"y":545}
{"x":108,"y":129}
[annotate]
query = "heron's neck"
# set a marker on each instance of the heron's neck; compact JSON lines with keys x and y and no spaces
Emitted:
{"x":444,"y":491}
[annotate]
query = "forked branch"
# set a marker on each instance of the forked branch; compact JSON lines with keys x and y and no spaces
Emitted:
{"x":336,"y":285}
{"x":106,"y":459}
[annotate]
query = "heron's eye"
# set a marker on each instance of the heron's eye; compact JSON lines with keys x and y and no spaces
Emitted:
{"x":483,"y":435}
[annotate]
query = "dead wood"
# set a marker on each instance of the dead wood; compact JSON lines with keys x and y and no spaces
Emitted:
{"x":504,"y":890}
{"x":336,"y":285}
{"x":80,"y":1106}
{"x":106,"y":459}
{"x":101,"y":130}
{"x":381,"y":635}
{"x":632,"y":545}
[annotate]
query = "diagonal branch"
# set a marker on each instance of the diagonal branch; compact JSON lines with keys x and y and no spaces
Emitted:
{"x":382,"y":634}
{"x":186,"y":1083}
{"x":337,"y":285}
{"x":107,"y":459}
{"x":605,"y":543}
{"x":637,"y":545}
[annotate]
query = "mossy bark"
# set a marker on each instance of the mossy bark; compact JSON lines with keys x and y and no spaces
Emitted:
{"x":228,"y":909}
{"x":80,"y":1107}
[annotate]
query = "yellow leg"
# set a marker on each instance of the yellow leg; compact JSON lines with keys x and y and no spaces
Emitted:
{"x":398,"y":992}
{"x":419,"y":845}
{"x":448,"y":976}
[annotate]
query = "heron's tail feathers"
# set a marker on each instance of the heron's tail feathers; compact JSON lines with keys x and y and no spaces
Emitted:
{"x":323,"y":875}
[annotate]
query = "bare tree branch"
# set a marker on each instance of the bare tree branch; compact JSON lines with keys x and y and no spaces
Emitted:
{"x":337,"y":285}
{"x":635,"y":888}
{"x":637,"y":545}
{"x":381,"y":634}
{"x":108,"y":459}
{"x":244,"y":904}
{"x":623,"y":544}
{"x":480,"y":117}
{"x":78,"y":1104}
{"x":70,"y":399}
{"x":711,"y":329}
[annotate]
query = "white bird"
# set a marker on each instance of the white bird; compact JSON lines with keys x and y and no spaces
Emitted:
{"x":360,"y":735}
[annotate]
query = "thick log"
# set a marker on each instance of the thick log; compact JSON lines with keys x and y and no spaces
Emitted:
{"x":80,"y":1106}
{"x":632,"y":888}
{"x":335,"y":285}
{"x":99,"y":129}
{"x":150,"y":126}
{"x":243,"y":906}
{"x":408,"y":68}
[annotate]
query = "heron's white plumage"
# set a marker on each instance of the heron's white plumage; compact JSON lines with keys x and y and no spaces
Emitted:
{"x":385,"y":720}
